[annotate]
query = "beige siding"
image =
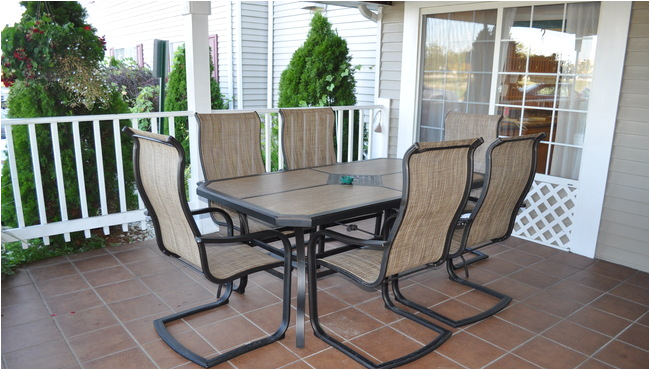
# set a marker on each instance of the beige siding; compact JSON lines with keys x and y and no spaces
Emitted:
{"x":391,"y":66}
{"x":623,"y":234}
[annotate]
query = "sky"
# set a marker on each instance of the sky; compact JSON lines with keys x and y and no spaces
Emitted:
{"x":11,"y":12}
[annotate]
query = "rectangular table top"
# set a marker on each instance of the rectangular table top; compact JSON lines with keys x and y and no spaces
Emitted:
{"x":308,"y":197}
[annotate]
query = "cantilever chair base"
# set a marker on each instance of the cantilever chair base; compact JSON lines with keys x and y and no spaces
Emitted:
{"x":443,"y":335}
{"x":504,"y":300}
{"x":167,"y":337}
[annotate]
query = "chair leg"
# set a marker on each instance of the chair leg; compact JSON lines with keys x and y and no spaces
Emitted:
{"x":478,"y":256}
{"x":167,"y":337}
{"x":444,"y":334}
{"x":504,"y":300}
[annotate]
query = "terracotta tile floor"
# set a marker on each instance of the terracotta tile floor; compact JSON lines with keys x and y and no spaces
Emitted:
{"x":95,"y":310}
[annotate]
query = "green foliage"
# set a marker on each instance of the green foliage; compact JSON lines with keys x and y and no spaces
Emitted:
{"x":129,"y":78}
{"x":65,"y":79}
{"x":43,"y":50}
{"x":176,"y":98}
{"x":319,"y":73}
{"x":13,"y":254}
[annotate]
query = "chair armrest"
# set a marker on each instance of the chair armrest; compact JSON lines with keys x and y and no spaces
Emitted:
{"x":260,"y":235}
{"x":225,"y":215}
{"x":370,"y":243}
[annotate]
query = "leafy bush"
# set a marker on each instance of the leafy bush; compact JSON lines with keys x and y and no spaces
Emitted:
{"x":128,"y":77}
{"x":319,"y":73}
{"x":52,"y":62}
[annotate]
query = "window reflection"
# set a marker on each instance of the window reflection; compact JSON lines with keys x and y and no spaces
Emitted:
{"x":544,"y":84}
{"x":458,"y":58}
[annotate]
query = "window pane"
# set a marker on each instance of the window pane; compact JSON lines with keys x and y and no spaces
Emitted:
{"x":458,"y":58}
{"x":545,"y":79}
{"x":565,"y":162}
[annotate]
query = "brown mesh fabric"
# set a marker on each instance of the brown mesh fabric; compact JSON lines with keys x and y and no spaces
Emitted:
{"x":230,"y":260}
{"x":160,"y":166}
{"x":437,"y":183}
{"x":511,"y":166}
{"x":470,"y":125}
{"x":308,"y":137}
{"x":230,"y":146}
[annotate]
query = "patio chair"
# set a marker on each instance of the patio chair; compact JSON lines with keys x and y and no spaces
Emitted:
{"x":308,"y":137}
{"x":229,"y":144}
{"x":437,"y":179}
{"x":468,"y":125}
{"x":510,"y":172}
{"x":512,"y":163}
{"x":159,"y":164}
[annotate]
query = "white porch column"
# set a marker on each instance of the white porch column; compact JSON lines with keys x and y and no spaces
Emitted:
{"x":198,"y":87}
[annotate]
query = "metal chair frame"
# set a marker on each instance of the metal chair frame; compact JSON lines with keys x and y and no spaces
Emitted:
{"x":391,"y":266}
{"x":466,"y":228}
{"x":202,"y":242}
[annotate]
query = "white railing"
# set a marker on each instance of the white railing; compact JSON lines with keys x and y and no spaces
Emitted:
{"x":368,"y":117}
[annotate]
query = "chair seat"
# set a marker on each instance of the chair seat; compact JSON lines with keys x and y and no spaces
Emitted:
{"x":230,"y":260}
{"x":362,"y":263}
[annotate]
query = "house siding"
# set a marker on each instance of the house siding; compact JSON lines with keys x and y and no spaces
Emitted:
{"x":128,"y":23}
{"x":623,"y":233}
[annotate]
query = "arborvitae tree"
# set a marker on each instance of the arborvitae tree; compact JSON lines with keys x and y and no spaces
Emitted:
{"x":319,"y":73}
{"x":52,"y":62}
{"x":176,"y":97}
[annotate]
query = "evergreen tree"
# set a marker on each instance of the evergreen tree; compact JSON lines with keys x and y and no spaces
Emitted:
{"x":319,"y":73}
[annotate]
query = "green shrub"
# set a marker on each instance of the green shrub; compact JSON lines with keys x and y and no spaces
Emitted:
{"x":320,"y":74}
{"x":54,"y":69}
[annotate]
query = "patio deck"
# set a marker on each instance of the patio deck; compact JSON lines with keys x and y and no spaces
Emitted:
{"x":95,"y":310}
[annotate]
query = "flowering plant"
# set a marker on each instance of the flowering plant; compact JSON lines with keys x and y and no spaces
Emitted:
{"x":37,"y":49}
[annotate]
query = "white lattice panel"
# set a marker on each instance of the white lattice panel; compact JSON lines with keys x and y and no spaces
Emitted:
{"x":548,"y":216}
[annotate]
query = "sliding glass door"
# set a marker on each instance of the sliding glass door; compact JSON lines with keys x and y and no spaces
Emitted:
{"x":544,"y":56}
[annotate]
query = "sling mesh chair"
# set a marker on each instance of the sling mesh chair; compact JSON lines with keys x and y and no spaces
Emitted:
{"x":308,"y":137}
{"x":512,"y":163}
{"x":511,"y":166}
{"x":437,"y":179}
{"x":468,"y":125}
{"x":229,"y":143}
{"x":159,"y":164}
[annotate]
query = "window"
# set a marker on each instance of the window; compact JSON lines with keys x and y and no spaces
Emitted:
{"x":543,"y":77}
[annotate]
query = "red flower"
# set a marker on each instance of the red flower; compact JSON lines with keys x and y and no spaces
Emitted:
{"x":87,"y":28}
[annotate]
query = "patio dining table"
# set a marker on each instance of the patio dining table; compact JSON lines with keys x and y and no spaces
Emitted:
{"x":306,"y":198}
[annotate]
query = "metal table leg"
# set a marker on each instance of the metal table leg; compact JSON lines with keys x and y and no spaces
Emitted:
{"x":301,"y":262}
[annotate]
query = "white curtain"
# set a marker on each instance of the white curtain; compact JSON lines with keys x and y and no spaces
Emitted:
{"x":582,"y":24}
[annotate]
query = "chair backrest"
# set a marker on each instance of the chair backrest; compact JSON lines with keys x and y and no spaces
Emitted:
{"x":437,"y":178}
{"x":308,"y":137}
{"x":229,"y":143}
{"x":159,"y":165}
{"x":510,"y":173}
{"x":460,"y":126}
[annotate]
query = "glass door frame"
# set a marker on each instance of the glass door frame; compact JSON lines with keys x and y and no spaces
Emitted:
{"x":610,"y":56}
